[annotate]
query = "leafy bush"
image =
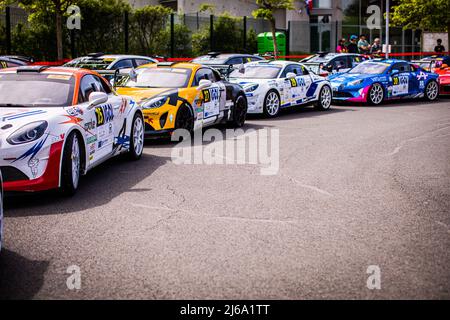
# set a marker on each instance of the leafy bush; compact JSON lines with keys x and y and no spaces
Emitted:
{"x":228,"y":36}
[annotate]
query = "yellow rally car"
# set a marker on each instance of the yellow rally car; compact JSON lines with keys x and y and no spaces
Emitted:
{"x":183,"y":96}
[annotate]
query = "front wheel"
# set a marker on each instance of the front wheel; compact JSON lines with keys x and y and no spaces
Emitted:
{"x":71,"y":165}
{"x":376,"y":94}
{"x":272,"y":104}
{"x":184,"y":118}
{"x":137,"y":137}
{"x":324,"y":101}
{"x":239,"y":112}
{"x":431,"y":91}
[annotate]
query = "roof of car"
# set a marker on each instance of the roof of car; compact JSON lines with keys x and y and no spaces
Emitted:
{"x":183,"y":65}
{"x":47,"y":70}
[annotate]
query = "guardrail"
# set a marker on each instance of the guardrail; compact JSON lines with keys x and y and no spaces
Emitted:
{"x":290,"y":57}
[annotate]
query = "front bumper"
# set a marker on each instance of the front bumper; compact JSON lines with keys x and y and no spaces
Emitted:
{"x":342,"y":93}
{"x":14,"y":179}
{"x":255,"y":102}
{"x":444,"y":89}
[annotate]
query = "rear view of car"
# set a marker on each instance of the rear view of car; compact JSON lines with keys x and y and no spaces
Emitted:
{"x":106,"y":65}
{"x":225,"y":63}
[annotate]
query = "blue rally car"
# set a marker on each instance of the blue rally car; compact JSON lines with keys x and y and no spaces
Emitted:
{"x":377,"y":80}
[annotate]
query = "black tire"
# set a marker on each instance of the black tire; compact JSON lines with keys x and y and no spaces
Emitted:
{"x":267,"y":100}
{"x":375,"y":95}
{"x":432,"y":91}
{"x":239,"y":112}
{"x":137,"y":142}
{"x":325,"y":97}
{"x":184,"y":118}
{"x":69,"y":183}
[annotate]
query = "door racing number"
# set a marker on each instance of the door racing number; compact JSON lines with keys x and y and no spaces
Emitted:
{"x":211,"y":102}
{"x":298,"y":90}
{"x":400,"y":85}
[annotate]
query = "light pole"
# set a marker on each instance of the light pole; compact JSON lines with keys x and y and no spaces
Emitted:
{"x":387,"y":29}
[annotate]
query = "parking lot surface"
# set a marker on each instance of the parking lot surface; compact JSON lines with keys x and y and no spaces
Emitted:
{"x":356,"y":187}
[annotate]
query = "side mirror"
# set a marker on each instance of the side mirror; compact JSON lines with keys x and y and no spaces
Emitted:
{"x":96,"y":98}
{"x":394,"y":71}
{"x":291,"y":75}
{"x":204,"y":84}
{"x":241,"y":68}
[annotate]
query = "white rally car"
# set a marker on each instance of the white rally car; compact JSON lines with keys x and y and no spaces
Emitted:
{"x":58,"y":123}
{"x":272,"y":85}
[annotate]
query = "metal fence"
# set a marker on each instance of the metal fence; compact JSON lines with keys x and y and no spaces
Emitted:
{"x":180,"y":35}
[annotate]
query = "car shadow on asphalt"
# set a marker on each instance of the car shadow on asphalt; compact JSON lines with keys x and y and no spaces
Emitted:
{"x":394,"y":103}
{"x":297,"y":112}
{"x":20,"y":278}
{"x":164,"y":143}
{"x":97,"y":188}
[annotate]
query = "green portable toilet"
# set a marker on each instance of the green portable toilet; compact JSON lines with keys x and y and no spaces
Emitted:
{"x":265,"y":42}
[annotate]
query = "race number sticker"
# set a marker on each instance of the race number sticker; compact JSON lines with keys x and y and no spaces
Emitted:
{"x":211,"y":102}
{"x":104,"y":114}
{"x":400,"y":85}
{"x":299,"y":88}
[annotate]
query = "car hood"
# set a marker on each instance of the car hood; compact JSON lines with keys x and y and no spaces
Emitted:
{"x":348,"y":77}
{"x":249,"y":82}
{"x":141,"y":94}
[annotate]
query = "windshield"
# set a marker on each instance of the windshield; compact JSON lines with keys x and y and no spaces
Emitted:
{"x":210,"y":60}
{"x":158,"y":78}
{"x":257,"y":72}
{"x":36,"y":90}
{"x":370,"y":68}
{"x":91,"y":64}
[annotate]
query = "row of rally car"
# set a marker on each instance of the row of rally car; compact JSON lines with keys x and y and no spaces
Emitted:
{"x":57,"y":123}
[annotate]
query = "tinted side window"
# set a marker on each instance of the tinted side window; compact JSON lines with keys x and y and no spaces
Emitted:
{"x":401,"y":67}
{"x":140,"y":62}
{"x":290,"y":68}
{"x":234,"y":61}
{"x":204,"y":73}
{"x":340,"y":63}
{"x":122,"y":64}
{"x":89,"y":84}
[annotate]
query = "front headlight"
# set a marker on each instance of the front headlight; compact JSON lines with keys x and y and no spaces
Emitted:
{"x":252,"y":88}
{"x":28,"y":133}
{"x":154,"y":103}
{"x":356,"y":82}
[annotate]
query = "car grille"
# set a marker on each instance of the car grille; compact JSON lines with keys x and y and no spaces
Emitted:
{"x":338,"y":94}
{"x":445,"y":89}
{"x":12,"y":174}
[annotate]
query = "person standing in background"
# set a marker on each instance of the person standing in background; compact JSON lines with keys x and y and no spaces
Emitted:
{"x":376,"y":49}
{"x":439,"y":48}
{"x":363,"y":45}
{"x":342,"y":48}
{"x":352,"y":46}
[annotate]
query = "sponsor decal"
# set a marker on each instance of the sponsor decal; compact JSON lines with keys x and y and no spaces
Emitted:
{"x":91,"y":139}
{"x":104,"y":114}
{"x":422,"y":76}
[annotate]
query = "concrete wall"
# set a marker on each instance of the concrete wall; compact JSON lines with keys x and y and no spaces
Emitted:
{"x":429,"y":40}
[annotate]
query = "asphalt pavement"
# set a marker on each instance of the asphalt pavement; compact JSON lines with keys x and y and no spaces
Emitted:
{"x":356,"y":187}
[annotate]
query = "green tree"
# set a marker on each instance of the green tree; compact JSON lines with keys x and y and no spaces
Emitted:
{"x":38,"y":8}
{"x":430,"y":15}
{"x":149,"y":24}
{"x":267,"y":9}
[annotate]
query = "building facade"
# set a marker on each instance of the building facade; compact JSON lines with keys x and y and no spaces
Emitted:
{"x":313,"y":30}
